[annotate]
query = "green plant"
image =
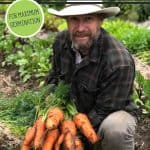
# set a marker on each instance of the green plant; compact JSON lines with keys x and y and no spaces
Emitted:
{"x":6,"y":40}
{"x":135,"y":38}
{"x":146,"y":87}
{"x":142,"y":93}
{"x":31,"y":55}
{"x":20,"y":111}
{"x":3,"y":8}
{"x":132,"y":12}
{"x":32,"y":58}
{"x":51,"y":22}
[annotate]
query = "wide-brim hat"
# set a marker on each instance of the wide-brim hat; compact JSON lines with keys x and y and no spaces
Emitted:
{"x":83,"y":9}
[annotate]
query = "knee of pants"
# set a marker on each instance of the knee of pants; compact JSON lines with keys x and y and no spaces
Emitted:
{"x":117,"y":139}
{"x":115,"y":127}
{"x":113,"y":134}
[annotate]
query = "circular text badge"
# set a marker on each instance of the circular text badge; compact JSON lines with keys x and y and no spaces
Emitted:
{"x":24,"y":18}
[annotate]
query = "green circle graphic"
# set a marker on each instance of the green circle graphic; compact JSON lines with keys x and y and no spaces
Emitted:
{"x":24,"y":18}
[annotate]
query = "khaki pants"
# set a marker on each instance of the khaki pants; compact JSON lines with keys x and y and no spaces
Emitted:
{"x":117,"y":132}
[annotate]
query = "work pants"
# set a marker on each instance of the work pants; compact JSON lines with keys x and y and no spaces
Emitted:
{"x":117,"y":132}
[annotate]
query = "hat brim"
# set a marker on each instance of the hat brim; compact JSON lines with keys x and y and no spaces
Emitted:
{"x":87,"y":9}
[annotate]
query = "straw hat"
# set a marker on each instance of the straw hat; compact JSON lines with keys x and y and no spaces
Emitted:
{"x":82,"y":9}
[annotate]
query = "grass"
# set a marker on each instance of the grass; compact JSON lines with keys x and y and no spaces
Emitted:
{"x":19,"y":112}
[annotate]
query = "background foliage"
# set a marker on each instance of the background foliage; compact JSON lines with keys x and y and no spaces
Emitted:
{"x":133,"y":12}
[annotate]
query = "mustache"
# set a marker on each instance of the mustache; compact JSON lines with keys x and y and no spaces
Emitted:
{"x":81,"y":34}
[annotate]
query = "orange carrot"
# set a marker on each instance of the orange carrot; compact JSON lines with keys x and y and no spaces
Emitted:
{"x":78,"y":144}
{"x":68,"y":125}
{"x":82,"y":122}
{"x":25,"y":147}
{"x":29,"y":136}
{"x":50,"y":140}
{"x":54,"y":117}
{"x":69,"y":141}
{"x":40,"y":130}
{"x":59,"y":142}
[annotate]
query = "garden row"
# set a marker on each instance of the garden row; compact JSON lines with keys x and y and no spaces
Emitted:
{"x":32,"y":55}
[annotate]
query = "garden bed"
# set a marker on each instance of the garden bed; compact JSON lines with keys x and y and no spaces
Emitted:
{"x":37,"y":50}
{"x":11,"y":84}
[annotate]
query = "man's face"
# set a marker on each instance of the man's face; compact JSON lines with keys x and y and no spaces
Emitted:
{"x":83,"y":30}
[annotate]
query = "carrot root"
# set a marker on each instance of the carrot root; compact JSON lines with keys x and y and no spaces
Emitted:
{"x":25,"y":147}
{"x":78,"y":144}
{"x":68,"y":126}
{"x":29,"y":136}
{"x":54,"y":117}
{"x":59,"y":142}
{"x":51,"y":138}
{"x":69,"y":141}
{"x":82,"y":122}
{"x":40,"y":130}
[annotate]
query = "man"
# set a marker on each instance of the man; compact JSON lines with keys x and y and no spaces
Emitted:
{"x":101,"y":73}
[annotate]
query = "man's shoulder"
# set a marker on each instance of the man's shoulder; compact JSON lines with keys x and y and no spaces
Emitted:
{"x":61,"y":41}
{"x":62,"y":34}
{"x":115,"y":52}
{"x":62,"y":38}
{"x":112,"y":43}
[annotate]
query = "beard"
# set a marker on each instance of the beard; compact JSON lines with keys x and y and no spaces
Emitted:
{"x":83,"y":45}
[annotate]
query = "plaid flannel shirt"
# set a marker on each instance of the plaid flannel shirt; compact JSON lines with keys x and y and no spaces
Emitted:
{"x":102,"y":83}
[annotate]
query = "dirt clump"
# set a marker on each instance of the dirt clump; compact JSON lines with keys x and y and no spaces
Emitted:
{"x":7,"y":140}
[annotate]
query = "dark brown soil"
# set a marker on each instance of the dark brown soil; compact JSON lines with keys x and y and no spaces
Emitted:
{"x":142,"y":137}
{"x":7,"y":140}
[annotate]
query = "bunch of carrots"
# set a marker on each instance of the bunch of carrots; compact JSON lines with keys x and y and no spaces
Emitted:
{"x":55,"y":132}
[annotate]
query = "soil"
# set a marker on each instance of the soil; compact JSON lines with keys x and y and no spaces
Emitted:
{"x":142,"y":68}
{"x":7,"y":140}
{"x":142,"y":137}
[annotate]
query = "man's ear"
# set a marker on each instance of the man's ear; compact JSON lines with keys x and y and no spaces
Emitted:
{"x":102,"y":16}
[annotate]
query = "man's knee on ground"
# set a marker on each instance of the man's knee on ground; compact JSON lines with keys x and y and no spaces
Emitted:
{"x":119,"y":125}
